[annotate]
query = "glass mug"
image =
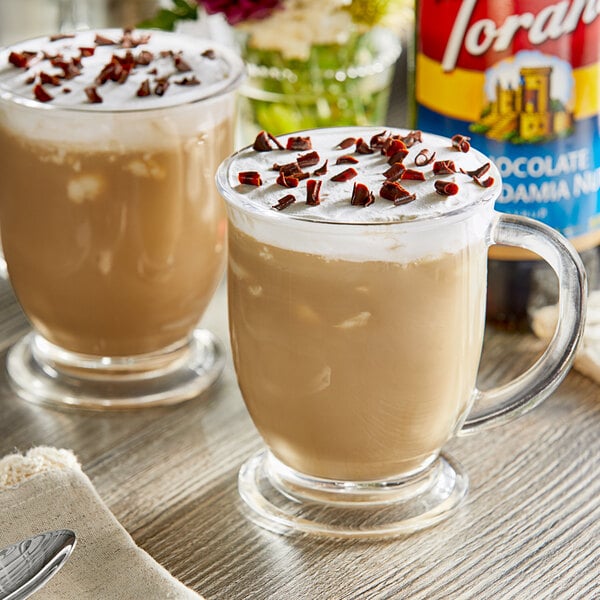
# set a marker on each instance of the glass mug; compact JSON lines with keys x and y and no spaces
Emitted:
{"x":357,"y":344}
{"x":111,"y":225}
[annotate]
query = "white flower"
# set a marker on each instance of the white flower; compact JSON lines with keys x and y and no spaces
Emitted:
{"x":299,"y":25}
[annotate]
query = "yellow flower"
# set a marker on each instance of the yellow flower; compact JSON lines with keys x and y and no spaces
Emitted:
{"x":368,"y":12}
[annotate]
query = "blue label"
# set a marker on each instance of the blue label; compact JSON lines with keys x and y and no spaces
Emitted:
{"x":556,"y":182}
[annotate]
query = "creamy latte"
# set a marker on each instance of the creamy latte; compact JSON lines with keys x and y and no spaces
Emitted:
{"x":356,"y":322}
{"x":112,"y":228}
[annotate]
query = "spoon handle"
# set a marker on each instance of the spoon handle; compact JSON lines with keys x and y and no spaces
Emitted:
{"x":27,"y":565}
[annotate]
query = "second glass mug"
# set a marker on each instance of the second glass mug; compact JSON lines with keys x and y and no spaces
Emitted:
{"x":357,"y":371}
{"x":114,"y":236}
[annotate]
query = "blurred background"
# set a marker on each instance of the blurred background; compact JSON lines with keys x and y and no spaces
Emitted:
{"x":22,"y":19}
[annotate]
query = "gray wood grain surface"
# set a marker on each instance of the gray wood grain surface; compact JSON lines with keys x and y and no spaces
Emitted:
{"x":530,"y":527}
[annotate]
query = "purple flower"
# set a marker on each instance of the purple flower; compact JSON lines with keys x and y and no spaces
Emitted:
{"x":242,"y":10}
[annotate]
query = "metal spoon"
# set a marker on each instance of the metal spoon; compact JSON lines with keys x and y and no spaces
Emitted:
{"x":28,"y":565}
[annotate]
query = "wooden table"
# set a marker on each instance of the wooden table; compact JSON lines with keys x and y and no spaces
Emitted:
{"x":530,"y":527}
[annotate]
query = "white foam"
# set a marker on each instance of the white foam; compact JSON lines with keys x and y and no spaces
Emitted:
{"x":429,"y":226}
{"x":215,"y":74}
{"x":122,"y":120}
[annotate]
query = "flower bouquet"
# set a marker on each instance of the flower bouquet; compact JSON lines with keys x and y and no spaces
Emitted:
{"x":312,"y":63}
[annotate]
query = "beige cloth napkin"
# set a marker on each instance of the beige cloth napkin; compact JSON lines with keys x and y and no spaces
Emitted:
{"x":46,"y":489}
{"x":587,"y":358}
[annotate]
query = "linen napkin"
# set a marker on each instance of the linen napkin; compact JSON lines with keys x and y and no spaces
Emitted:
{"x":587,"y":358}
{"x":46,"y":489}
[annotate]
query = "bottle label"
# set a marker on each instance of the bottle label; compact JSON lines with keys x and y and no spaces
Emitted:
{"x":522,"y":79}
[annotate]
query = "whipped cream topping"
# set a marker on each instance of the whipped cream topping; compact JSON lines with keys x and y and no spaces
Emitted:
{"x":400,"y":233}
{"x":177,"y":58}
{"x":335,"y":205}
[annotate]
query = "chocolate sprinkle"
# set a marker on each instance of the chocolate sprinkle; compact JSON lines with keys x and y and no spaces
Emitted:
{"x":322,"y":170}
{"x":284,"y":202}
{"x":346,"y":143}
{"x":92,"y":94}
{"x":144,"y":89}
{"x":361,"y":195}
{"x":313,"y":192}
{"x":394,"y":192}
{"x":299,"y":143}
{"x":41,"y":94}
{"x":346,"y":175}
{"x":446,"y":188}
{"x":250,"y":178}
{"x":461,"y":143}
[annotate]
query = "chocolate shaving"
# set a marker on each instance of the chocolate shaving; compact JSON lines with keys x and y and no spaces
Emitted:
{"x":393,"y":191}
{"x":30,"y":80}
{"x":21,"y":60}
{"x":346,"y":158}
{"x":461,"y":143}
{"x":288,"y":181}
{"x":162,"y":85}
{"x":188,"y":81}
{"x":308,"y":160}
{"x":210,"y":54}
{"x":446,"y":188}
{"x":181,"y":65}
{"x":250,"y":178}
{"x":392,"y":146}
{"x":144,"y":57}
{"x":424,"y":157}
{"x":361,"y":195}
{"x":144,"y":89}
{"x":70,"y":68}
{"x":41,"y":94}
{"x":322,"y":170}
{"x":489,"y":181}
{"x":478,"y":172}
{"x":346,"y":175}
{"x":129,"y":41}
{"x":444,"y":167}
{"x":101,"y":40}
{"x":412,"y":174}
{"x":66,"y":90}
{"x":288,"y":169}
{"x":92,"y":94}
{"x":397,"y":157}
{"x":412,"y":138}
{"x":362,"y":147}
{"x":117,"y":69}
{"x":395,"y":171}
{"x":50,"y":79}
{"x":346,"y":143}
{"x":263,"y":141}
{"x":378,"y":140}
{"x":313,"y":192}
{"x":284,"y":202}
{"x":299,"y":143}
{"x":86,"y":52}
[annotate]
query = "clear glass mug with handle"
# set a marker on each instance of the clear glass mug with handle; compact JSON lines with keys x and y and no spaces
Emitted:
{"x":357,"y":321}
{"x":112,"y":229}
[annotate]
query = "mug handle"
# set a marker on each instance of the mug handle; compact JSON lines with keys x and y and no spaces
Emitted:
{"x":520,"y":395}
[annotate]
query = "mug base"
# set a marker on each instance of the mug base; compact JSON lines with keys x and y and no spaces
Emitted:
{"x":42,"y":373}
{"x":286,"y":502}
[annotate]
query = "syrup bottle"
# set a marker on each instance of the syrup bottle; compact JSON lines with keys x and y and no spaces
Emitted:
{"x":521,"y":78}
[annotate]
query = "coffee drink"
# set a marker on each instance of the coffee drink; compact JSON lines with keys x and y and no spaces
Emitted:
{"x":112,"y":228}
{"x":356,"y":332}
{"x":357,"y":277}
